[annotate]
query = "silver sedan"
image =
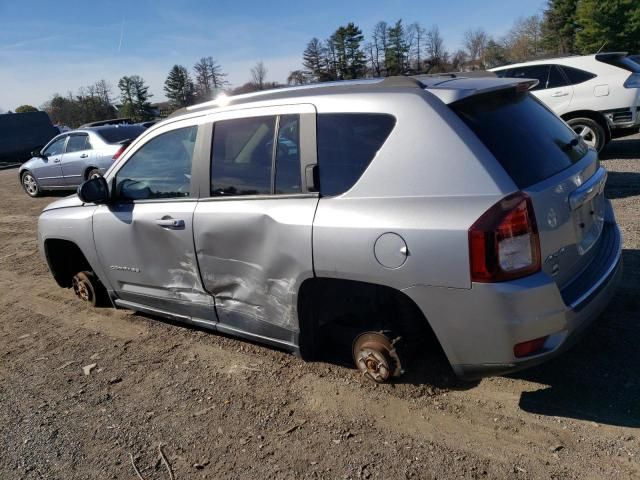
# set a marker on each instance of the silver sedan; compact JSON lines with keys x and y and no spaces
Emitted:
{"x":75,"y":156}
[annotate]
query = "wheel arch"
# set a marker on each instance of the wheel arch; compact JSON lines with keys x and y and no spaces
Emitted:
{"x":593,"y":115}
{"x":65,"y":259}
{"x":313,"y":292}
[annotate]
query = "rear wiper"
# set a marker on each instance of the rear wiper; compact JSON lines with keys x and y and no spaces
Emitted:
{"x":571,"y":144}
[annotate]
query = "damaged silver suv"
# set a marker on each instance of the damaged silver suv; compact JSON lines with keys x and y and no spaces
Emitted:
{"x":373,"y":212}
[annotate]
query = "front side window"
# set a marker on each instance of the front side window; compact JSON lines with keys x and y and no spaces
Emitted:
{"x":347,"y":143}
{"x":56,"y":148}
{"x":161,"y":168}
{"x":77,"y":143}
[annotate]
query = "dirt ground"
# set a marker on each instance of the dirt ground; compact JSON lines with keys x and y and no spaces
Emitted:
{"x":224,"y":408}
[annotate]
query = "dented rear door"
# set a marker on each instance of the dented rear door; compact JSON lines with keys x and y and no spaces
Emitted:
{"x":253,"y":232}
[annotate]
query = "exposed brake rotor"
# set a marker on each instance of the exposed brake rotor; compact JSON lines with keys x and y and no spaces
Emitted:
{"x":375,"y":356}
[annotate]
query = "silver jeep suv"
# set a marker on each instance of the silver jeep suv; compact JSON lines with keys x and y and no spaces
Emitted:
{"x":369,"y":212}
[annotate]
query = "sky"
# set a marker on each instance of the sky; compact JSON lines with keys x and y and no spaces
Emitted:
{"x":49,"y":47}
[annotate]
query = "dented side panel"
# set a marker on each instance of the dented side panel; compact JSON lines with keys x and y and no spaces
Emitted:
{"x":253,"y":254}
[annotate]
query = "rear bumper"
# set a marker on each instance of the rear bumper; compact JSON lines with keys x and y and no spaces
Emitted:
{"x":620,"y":118}
{"x":478,"y":328}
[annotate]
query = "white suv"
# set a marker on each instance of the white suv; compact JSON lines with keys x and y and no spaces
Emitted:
{"x":598,"y":95}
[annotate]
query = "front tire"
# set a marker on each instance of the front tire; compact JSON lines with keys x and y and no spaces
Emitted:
{"x":93,"y":173}
{"x":591,"y":132}
{"x":30,"y":184}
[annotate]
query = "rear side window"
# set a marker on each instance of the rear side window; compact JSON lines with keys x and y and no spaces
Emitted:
{"x":347,"y":143}
{"x":528,"y":140}
{"x":576,"y":76}
{"x":119,"y":133}
{"x":245,"y":162}
{"x":539,"y":72}
{"x":77,"y":143}
{"x":556,"y":79}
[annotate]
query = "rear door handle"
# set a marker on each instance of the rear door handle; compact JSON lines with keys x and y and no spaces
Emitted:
{"x":172,"y":223}
{"x":559,"y":94}
{"x":84,"y":155}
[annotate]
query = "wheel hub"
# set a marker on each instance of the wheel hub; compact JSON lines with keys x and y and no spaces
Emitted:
{"x":375,"y":356}
{"x":82,"y":288}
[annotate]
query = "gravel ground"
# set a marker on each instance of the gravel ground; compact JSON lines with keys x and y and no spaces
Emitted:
{"x":223,"y":408}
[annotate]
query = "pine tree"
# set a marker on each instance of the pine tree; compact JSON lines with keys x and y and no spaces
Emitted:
{"x":397,"y":50}
{"x":350,"y":59}
{"x":314,"y":60}
{"x":613,"y":25}
{"x":178,"y":87}
{"x":134,"y":95}
{"x":559,"y":26}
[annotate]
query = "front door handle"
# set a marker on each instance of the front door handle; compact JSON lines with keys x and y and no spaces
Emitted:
{"x":559,"y":94}
{"x":57,"y":160}
{"x":84,"y":155}
{"x":172,"y":223}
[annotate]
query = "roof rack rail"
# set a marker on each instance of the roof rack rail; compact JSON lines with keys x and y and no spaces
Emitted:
{"x":400,"y":81}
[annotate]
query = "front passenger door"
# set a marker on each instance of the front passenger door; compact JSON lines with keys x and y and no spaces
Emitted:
{"x":144,"y":237}
{"x":49,"y":172}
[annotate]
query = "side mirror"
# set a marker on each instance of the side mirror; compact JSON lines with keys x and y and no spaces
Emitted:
{"x":37,"y":154}
{"x":95,"y":190}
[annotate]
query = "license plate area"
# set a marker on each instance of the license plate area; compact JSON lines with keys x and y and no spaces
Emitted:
{"x":588,"y":222}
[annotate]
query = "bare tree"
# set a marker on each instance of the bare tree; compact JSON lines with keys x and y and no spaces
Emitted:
{"x":475,"y":42}
{"x":379,"y":44}
{"x":524,"y":40}
{"x":435,"y":48}
{"x":259,"y":75}
{"x":209,"y":78}
{"x":419,"y":34}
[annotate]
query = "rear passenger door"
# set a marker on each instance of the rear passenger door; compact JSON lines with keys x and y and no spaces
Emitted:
{"x":75,"y":159}
{"x":253,"y":232}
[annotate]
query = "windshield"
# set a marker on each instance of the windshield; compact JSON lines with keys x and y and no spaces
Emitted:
{"x":530,"y":142}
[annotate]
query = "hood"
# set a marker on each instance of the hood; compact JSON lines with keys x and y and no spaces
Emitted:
{"x":66,"y":202}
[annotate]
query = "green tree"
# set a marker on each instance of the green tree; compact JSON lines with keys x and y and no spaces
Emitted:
{"x":611,"y":25}
{"x":495,"y":54}
{"x":397,"y":52}
{"x":315,"y":61}
{"x":559,"y":26}
{"x":350,"y":60}
{"x":179,"y":88}
{"x":26,"y":109}
{"x":134,"y":96}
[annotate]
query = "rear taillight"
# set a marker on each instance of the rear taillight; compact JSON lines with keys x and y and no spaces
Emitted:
{"x":503,"y":243}
{"x":116,"y":156}
{"x":530,"y":347}
{"x":633,"y":81}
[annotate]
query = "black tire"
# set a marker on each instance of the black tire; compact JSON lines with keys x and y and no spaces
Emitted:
{"x":30,"y":184}
{"x":94,"y":172}
{"x":591,"y":131}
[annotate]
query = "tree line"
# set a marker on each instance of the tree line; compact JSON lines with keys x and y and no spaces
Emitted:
{"x":565,"y":27}
{"x":396,"y":48}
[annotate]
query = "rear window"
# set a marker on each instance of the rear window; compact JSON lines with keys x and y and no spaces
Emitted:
{"x":528,"y":140}
{"x":347,"y":142}
{"x":119,"y":133}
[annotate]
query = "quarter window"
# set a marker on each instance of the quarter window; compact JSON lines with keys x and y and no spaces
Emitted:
{"x":347,"y":143}
{"x":577,"y":76}
{"x":161,"y":168}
